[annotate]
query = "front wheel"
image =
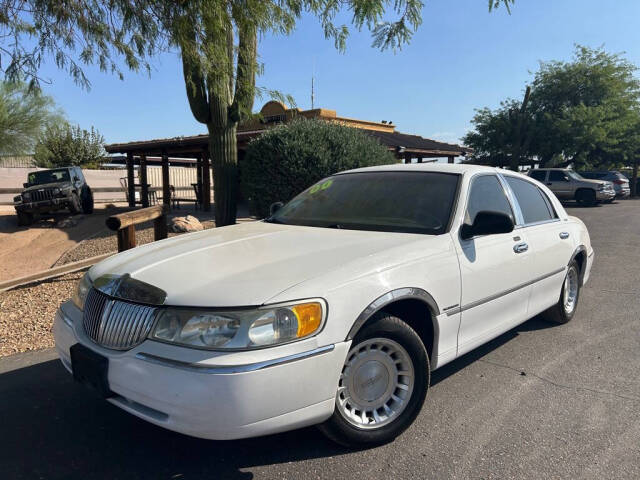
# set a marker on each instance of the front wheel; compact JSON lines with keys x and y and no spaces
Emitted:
{"x":565,"y":309}
{"x":87,"y":201}
{"x":75,"y":205}
{"x":586,"y":197}
{"x":383,"y":384}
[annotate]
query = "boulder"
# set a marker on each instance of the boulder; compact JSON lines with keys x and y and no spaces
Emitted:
{"x":185,"y":224}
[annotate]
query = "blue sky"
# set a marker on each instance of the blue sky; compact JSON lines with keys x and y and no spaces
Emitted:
{"x":461,"y":58}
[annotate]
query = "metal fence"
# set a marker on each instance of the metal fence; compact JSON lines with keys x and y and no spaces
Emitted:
{"x":21,"y":161}
{"x":182,"y":178}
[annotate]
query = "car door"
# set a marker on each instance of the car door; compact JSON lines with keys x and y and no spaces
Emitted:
{"x":549,"y":241}
{"x":495,"y":270}
{"x":560,"y":184}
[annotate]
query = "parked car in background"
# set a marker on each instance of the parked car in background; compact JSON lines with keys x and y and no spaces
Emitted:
{"x":620,"y":182}
{"x":332,"y":311}
{"x":569,"y":185}
{"x":48,"y":191}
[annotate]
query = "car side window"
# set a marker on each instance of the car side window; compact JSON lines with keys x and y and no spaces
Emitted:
{"x":533,"y":203}
{"x":538,"y":175}
{"x":487,"y":193}
{"x":556,"y":176}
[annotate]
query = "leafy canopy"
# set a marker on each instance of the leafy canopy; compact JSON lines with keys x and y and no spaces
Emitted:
{"x":23,"y":117}
{"x":63,"y":145}
{"x":582,"y":112}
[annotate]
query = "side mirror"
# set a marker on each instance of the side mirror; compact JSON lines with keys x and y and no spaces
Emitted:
{"x":275,"y":207}
{"x":487,"y":223}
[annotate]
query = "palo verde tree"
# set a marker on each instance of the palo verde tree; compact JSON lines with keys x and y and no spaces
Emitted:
{"x":217,"y":41}
{"x":62,"y":144}
{"x":24,"y":115}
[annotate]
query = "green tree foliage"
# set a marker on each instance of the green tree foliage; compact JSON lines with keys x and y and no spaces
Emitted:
{"x":217,"y":41}
{"x":63,"y":145}
{"x":289,"y":158}
{"x":582,"y":112}
{"x":23,"y":117}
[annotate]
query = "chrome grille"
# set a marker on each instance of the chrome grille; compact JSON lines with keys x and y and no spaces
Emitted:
{"x":40,"y":195}
{"x":116,"y":324}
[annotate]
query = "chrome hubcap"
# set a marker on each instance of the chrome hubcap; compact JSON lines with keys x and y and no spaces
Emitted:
{"x":376,"y":383}
{"x":570,"y":291}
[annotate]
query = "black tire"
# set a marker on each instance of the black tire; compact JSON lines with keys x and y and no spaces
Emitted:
{"x":24,"y":218}
{"x":75,"y":206}
{"x":558,"y":313}
{"x":87,"y":200}
{"x":384,"y":327}
{"x":586,"y":197}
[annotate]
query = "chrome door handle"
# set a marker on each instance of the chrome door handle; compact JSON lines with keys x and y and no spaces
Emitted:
{"x":520,"y":247}
{"x":564,"y":235}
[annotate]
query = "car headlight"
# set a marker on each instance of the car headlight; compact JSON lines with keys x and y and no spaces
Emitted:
{"x":26,"y":195}
{"x":56,"y":191}
{"x":17,"y":199}
{"x":242,"y":329}
{"x":82,"y":290}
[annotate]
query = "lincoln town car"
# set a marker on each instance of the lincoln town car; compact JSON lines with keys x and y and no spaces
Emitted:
{"x":333,"y":311}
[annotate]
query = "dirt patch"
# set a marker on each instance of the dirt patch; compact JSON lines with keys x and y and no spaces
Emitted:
{"x":26,"y":313}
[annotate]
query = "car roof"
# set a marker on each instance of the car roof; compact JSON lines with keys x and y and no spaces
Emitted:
{"x":456,"y":168}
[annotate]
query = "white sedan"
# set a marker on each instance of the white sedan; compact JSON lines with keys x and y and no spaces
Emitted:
{"x":333,"y":311}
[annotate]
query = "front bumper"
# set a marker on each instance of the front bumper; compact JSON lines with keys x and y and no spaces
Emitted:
{"x":605,"y":194}
{"x":43,"y":205}
{"x":222,"y":397}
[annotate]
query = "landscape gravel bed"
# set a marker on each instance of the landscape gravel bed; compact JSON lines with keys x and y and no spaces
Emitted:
{"x":105,"y":241}
{"x":26,"y":313}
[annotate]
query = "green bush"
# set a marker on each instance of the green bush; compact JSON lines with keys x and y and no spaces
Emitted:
{"x":287,"y":159}
{"x":62,"y":145}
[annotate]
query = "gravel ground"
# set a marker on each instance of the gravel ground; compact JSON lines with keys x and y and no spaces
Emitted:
{"x":105,"y":241}
{"x":26,"y":313}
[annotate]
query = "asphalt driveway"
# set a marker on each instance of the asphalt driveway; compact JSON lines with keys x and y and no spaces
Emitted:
{"x":540,"y":401}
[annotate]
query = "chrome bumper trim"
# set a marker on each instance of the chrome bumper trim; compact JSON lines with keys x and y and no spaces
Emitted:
{"x":231,"y":369}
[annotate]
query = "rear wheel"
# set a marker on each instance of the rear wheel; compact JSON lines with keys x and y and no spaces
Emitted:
{"x":565,"y":309}
{"x":382,"y":386}
{"x":586,"y":197}
{"x":87,"y":200}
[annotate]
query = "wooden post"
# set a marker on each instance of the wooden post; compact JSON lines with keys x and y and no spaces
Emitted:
{"x":407,"y":158}
{"x":144,"y":188}
{"x":199,"y":173}
{"x":419,"y":159}
{"x":451,"y":158}
{"x":126,"y":238}
{"x":206,"y":182}
{"x":166,"y":193}
{"x":131,"y":180}
{"x":160,"y":228}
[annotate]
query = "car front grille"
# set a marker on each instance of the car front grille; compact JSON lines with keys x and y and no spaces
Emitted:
{"x":40,"y":195}
{"x":116,"y":324}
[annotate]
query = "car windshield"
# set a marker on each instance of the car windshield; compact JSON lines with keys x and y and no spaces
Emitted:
{"x":574,"y":175}
{"x":48,"y":176}
{"x":409,"y":202}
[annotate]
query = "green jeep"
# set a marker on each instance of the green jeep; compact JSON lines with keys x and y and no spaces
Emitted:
{"x":48,"y":191}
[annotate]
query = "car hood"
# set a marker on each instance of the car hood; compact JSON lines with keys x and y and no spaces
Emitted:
{"x":592,"y":181}
{"x":60,"y":185}
{"x":245,"y":264}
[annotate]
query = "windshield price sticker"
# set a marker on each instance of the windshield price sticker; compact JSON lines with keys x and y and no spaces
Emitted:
{"x":321,"y":186}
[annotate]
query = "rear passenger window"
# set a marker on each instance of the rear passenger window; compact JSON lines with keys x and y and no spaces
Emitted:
{"x":538,"y":175}
{"x":533,"y":203}
{"x":487,"y":194}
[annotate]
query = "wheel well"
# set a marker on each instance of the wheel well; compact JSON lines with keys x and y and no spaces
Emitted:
{"x":580,"y":259}
{"x":418,"y":316}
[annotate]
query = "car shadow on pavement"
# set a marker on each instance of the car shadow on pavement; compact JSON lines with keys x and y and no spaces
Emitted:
{"x":54,"y":428}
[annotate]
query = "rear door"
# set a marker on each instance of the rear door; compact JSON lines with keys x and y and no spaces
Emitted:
{"x":549,"y":241}
{"x":495,"y":270}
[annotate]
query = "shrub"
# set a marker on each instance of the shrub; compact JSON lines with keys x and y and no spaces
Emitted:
{"x":63,"y":145}
{"x":287,"y":159}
